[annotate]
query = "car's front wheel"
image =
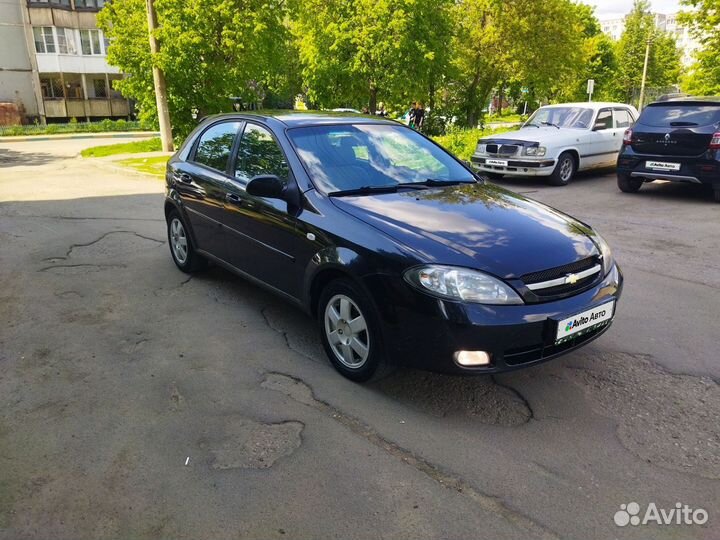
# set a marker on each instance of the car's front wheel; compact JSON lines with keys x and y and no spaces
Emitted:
{"x":627,"y":184}
{"x":349,"y":330}
{"x":181,"y":246}
{"x":564,"y":170}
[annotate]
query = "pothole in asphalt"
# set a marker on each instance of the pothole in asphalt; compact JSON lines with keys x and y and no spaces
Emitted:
{"x":443,"y":395}
{"x":666,"y":419}
{"x":253,"y":445}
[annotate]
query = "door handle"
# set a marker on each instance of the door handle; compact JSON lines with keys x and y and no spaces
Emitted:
{"x":183,"y":177}
{"x":233,"y":198}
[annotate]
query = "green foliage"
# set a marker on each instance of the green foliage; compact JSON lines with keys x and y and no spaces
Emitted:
{"x":663,"y":61}
{"x":71,"y":127}
{"x":356,"y":53}
{"x":133,"y":147}
{"x":498,"y":42}
{"x":704,"y":21}
{"x":210,"y":51}
{"x":462,"y":141}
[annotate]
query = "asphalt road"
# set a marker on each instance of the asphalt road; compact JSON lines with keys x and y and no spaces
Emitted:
{"x":136,"y":402}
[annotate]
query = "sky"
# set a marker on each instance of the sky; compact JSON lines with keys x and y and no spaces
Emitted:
{"x":612,"y":9}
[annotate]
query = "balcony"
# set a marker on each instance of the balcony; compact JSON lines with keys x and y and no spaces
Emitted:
{"x":86,"y":108}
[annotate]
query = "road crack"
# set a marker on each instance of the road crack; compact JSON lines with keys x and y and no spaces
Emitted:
{"x":301,"y":392}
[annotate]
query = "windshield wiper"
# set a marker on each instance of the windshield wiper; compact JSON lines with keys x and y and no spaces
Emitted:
{"x":365,"y":190}
{"x":436,"y":182}
{"x":550,"y":124}
{"x":531,"y":124}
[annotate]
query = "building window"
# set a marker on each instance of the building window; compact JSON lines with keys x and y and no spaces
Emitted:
{"x":66,"y":41}
{"x":90,"y":42}
{"x":89,"y":4}
{"x":44,"y":40}
{"x":51,"y":88}
{"x":100,"y":88}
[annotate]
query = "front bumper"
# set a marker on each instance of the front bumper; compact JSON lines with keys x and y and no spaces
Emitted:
{"x":424,"y":332}
{"x":515,"y":167}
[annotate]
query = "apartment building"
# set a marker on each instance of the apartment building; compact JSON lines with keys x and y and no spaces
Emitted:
{"x":665,"y":22}
{"x":54,"y":64}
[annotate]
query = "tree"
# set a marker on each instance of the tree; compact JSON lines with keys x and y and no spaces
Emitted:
{"x":210,"y":50}
{"x":599,"y":62}
{"x":498,"y":41}
{"x":359,"y":52}
{"x":704,"y":23}
{"x":664,"y":59}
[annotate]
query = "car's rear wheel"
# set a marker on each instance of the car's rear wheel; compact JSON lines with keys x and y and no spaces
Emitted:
{"x":627,"y":184}
{"x":181,"y":246}
{"x":564,"y":170}
{"x":349,"y":330}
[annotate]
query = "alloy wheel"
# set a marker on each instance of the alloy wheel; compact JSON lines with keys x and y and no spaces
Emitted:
{"x":347,"y":331}
{"x":178,"y":241}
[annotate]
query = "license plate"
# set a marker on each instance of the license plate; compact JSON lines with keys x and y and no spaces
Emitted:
{"x":585,"y":321}
{"x":500,"y":162}
{"x":662,"y":166}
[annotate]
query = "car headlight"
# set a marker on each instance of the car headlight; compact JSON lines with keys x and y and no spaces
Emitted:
{"x":607,"y":257}
{"x":481,"y":148}
{"x":538,"y":151}
{"x":462,"y":284}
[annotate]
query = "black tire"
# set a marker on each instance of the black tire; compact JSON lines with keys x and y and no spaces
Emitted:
{"x":628,"y":184}
{"x":192,"y":262}
{"x":565,"y":169}
{"x":371,"y":366}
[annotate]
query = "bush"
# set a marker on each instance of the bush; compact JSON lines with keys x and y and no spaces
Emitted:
{"x":462,"y":141}
{"x":72,"y":127}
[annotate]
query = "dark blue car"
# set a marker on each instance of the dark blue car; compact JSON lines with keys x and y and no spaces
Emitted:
{"x":401,"y":253}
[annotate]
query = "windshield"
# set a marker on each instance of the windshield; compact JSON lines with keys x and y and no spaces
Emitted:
{"x":354,"y":156}
{"x":563,"y":117}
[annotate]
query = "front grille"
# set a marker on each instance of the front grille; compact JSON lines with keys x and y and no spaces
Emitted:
{"x":502,"y":149}
{"x":560,"y":271}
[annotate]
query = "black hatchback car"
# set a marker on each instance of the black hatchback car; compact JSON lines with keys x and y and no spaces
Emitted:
{"x":676,"y":140}
{"x":401,"y":253}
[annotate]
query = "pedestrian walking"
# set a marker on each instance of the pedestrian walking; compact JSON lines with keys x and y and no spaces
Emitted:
{"x":419,"y":116}
{"x":411,"y":116}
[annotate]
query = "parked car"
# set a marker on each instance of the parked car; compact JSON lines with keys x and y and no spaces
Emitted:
{"x":676,"y":140}
{"x":395,"y":246}
{"x":557,"y":141}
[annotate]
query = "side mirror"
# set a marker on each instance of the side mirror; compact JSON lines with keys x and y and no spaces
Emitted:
{"x":266,"y":185}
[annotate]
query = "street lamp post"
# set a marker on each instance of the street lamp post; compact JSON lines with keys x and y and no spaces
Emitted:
{"x":644,"y":75}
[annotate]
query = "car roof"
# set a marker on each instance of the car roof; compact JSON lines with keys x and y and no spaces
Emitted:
{"x":591,"y":104}
{"x":309,"y":118}
{"x":692,"y":100}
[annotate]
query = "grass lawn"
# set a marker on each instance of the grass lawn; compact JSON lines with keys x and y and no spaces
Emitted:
{"x":151,"y":165}
{"x":133,"y":147}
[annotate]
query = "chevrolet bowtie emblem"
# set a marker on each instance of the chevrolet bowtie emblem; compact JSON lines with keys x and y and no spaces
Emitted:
{"x":572,"y":279}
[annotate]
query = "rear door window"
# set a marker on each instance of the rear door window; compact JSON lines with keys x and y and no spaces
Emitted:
{"x":215,"y":145}
{"x":679,"y":115}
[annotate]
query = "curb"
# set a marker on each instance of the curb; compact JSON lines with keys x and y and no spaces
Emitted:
{"x":99,"y":135}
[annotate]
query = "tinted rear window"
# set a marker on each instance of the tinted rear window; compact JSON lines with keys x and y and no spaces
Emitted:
{"x":677,"y":115}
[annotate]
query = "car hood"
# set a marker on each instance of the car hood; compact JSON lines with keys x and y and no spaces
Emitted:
{"x":544,"y":135}
{"x":481,"y":226}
